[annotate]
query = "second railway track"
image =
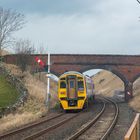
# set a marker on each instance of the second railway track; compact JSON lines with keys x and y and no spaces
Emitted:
{"x":101,"y":126}
{"x":23,"y":130}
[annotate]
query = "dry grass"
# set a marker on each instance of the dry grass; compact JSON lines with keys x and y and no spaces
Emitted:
{"x":4,"y":52}
{"x":14,"y":121}
{"x":13,"y":69}
{"x":35,"y":87}
{"x":53,"y":87}
{"x":135,"y":102}
{"x":106,"y":83}
{"x":35,"y":106}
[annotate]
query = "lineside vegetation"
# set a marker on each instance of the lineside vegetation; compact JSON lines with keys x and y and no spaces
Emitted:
{"x":8,"y":93}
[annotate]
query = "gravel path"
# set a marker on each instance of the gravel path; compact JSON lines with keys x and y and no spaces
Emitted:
{"x":126,"y":117}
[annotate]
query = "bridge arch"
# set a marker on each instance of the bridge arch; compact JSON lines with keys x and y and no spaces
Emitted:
{"x":135,"y":77}
{"x":126,"y":67}
{"x":108,"y":68}
{"x":107,"y":83}
{"x":136,"y":85}
{"x":128,"y":86}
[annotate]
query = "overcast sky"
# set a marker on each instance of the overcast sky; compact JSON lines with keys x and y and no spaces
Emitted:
{"x":81,"y":26}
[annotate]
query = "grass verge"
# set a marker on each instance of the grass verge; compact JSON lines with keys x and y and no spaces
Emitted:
{"x":8,"y":93}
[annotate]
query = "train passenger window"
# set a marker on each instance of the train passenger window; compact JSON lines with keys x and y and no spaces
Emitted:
{"x":63,"y":84}
{"x":80,"y":85}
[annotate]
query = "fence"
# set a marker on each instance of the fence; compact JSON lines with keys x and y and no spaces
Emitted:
{"x":133,"y":132}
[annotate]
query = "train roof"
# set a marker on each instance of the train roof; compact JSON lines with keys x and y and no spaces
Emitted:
{"x":72,"y":72}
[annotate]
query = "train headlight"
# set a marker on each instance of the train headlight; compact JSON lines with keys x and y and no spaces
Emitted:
{"x":63,"y":93}
{"x":81,"y":92}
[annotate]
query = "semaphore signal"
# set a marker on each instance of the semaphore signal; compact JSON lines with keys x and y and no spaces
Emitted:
{"x":40,"y":62}
{"x":47,"y":68}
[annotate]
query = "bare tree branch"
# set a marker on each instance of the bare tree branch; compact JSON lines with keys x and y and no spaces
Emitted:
{"x":10,"y":21}
{"x":138,"y":1}
{"x":42,"y":49}
{"x":24,"y":48}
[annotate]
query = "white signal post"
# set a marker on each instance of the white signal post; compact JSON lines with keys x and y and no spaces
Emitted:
{"x":48,"y":83}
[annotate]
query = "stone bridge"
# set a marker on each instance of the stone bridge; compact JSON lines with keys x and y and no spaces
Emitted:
{"x":126,"y":67}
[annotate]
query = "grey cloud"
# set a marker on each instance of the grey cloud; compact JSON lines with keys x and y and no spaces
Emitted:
{"x":102,"y":27}
{"x":51,"y":7}
{"x":86,"y":35}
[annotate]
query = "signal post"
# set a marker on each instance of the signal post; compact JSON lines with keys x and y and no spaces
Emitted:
{"x":48,"y":95}
{"x":47,"y":66}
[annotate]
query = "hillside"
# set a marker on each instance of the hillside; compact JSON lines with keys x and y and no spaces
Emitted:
{"x":4,"y":52}
{"x":135,"y":102}
{"x":8,"y":93}
{"x":34,"y":108}
{"x":106,"y":83}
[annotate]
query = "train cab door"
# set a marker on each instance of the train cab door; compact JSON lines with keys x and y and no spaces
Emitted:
{"x":72,"y":93}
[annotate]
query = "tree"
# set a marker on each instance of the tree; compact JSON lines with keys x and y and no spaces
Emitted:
{"x":10,"y":21}
{"x":23,"y":49}
{"x":24,"y":46}
{"x":42,"y":49}
{"x":138,"y":1}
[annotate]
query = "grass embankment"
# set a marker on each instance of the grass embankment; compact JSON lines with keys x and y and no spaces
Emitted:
{"x":106,"y":83}
{"x":8,"y":93}
{"x":35,"y":107}
{"x":135,"y":102}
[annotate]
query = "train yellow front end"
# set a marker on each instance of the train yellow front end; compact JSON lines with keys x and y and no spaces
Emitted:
{"x":72,"y":90}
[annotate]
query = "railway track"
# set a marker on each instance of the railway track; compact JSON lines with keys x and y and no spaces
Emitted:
{"x":10,"y":135}
{"x":46,"y":130}
{"x":56,"y":128}
{"x":26,"y":132}
{"x":101,"y":126}
{"x":57,"y":123}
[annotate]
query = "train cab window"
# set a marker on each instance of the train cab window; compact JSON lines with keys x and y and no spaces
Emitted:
{"x":62,"y":84}
{"x":63,"y":79}
{"x":80,"y":78}
{"x":80,"y":85}
{"x":71,"y":84}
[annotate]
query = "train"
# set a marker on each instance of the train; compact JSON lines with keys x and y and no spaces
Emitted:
{"x":75,"y":90}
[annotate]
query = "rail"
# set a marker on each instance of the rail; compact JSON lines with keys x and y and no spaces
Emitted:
{"x":46,"y":130}
{"x":133,"y":132}
{"x":86,"y":127}
{"x":29,"y":126}
{"x":92,"y":122}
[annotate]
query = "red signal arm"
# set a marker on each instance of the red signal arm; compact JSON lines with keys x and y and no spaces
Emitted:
{"x":39,"y":61}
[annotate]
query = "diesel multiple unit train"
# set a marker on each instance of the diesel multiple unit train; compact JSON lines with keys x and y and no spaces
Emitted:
{"x":75,"y":90}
